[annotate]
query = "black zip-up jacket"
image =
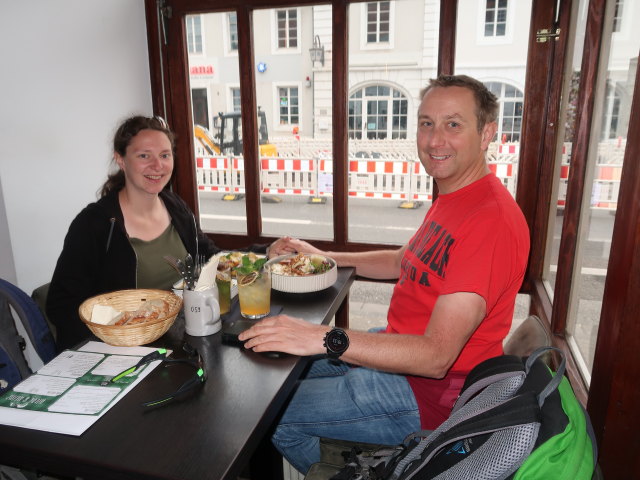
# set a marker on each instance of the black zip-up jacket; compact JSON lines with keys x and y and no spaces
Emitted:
{"x":98,"y":258}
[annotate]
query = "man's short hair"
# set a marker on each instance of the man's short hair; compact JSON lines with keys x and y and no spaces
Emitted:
{"x":486,"y":102}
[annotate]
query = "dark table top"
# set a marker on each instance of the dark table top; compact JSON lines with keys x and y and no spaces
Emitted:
{"x":210,"y":434}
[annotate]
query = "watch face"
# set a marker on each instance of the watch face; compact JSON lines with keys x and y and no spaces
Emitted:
{"x":337,"y":341}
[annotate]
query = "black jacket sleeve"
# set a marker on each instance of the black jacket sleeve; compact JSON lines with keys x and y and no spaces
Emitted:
{"x":74,"y":280}
{"x":96,"y":258}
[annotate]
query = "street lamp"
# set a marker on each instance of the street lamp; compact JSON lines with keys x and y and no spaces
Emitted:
{"x":317,"y":51}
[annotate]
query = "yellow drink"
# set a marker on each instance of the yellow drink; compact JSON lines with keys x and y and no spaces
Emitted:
{"x":254,"y":291}
{"x":223,"y":282}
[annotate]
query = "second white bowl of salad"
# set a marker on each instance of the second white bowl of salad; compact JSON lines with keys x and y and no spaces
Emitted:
{"x":302,"y":273}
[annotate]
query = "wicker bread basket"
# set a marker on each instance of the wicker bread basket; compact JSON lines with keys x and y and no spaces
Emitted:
{"x":130,"y":300}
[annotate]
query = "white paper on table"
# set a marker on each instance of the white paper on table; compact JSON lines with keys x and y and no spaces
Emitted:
{"x":73,"y":423}
{"x":44,"y":385}
{"x":84,"y":399}
{"x":71,"y":364}
{"x":115,"y":364}
{"x":100,"y":347}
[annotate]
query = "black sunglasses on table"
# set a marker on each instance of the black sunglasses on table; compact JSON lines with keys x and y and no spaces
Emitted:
{"x":161,"y":354}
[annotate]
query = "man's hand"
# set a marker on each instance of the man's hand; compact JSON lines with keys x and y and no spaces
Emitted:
{"x":283,"y":333}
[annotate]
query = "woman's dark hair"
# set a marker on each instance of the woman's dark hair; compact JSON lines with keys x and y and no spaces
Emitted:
{"x":486,"y":102}
{"x":121,"y":140}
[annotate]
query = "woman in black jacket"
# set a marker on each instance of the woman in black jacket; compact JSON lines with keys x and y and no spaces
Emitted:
{"x":119,"y":241}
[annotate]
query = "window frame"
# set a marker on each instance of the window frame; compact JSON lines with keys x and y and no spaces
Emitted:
{"x":364,"y":42}
{"x":285,"y":128}
{"x":231,"y":95}
{"x":505,"y":39}
{"x":618,"y":17}
{"x":611,"y":407}
{"x":202,"y":39}
{"x":502,"y":100}
{"x":275,"y":48}
{"x":611,"y":111}
{"x":391,"y":99}
{"x":228,"y":32}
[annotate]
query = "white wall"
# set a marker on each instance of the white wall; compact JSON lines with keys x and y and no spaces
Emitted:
{"x":7,"y":267}
{"x":71,"y":71}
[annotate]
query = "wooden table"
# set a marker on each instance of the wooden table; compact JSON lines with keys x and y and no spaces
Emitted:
{"x":211,"y":434}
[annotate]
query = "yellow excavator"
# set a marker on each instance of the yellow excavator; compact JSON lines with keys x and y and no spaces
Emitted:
{"x":228,"y":139}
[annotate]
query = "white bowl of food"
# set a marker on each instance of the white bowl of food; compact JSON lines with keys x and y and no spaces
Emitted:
{"x":302,"y":273}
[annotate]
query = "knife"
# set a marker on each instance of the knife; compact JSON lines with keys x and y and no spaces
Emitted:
{"x":189,"y":273}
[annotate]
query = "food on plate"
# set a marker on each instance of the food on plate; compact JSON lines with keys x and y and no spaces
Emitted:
{"x":233,"y":260}
{"x":147,"y":310}
{"x":302,"y":265}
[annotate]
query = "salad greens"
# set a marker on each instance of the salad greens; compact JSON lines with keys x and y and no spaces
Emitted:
{"x":248,"y":265}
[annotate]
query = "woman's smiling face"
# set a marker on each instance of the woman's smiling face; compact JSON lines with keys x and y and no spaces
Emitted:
{"x":450,"y":147}
{"x":148,"y":161}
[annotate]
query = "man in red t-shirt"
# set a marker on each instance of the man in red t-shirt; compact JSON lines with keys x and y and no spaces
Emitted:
{"x":451,"y":307}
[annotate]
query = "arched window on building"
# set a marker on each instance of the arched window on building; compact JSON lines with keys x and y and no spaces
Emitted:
{"x":611,"y":113}
{"x":377,"y":112}
{"x":510,"y":116}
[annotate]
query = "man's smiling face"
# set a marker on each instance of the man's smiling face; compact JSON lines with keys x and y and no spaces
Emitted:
{"x":450,"y":147}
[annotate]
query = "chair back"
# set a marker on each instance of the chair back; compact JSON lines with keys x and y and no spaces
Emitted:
{"x":13,"y":364}
{"x":527,"y":337}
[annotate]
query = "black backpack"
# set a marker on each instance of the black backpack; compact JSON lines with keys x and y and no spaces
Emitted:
{"x":13,"y":365}
{"x":514,"y":419}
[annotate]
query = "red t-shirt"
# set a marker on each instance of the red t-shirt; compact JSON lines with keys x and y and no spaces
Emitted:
{"x":473,"y":240}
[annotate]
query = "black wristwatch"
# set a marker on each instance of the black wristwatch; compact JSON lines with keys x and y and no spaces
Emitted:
{"x":336,"y":341}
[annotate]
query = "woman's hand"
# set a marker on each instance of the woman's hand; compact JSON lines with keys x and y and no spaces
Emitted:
{"x":287,"y":245}
{"x":283,"y":333}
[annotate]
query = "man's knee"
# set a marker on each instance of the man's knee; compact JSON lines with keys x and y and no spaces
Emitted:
{"x":299,"y":449}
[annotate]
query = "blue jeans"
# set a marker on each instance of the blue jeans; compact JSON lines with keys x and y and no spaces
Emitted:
{"x":345,"y":403}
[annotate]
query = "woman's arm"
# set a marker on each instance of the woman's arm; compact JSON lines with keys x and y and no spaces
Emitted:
{"x":75,"y":279}
{"x":378,"y":264}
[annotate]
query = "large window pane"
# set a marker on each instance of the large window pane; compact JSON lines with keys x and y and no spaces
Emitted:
{"x":214,"y":82}
{"x":293,"y":89}
{"x":599,"y":205}
{"x":563,"y":151}
{"x":500,"y":63}
{"x":387,"y":69}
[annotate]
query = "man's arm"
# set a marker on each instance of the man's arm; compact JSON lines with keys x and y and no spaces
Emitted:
{"x":455,"y":317}
{"x":378,"y":264}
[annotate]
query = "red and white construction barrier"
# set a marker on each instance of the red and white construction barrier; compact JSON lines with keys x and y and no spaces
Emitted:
{"x":402,"y":178}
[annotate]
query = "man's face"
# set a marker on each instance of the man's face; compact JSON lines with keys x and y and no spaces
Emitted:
{"x":450,"y":147}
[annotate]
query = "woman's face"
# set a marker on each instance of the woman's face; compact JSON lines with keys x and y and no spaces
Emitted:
{"x":148,"y":162}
